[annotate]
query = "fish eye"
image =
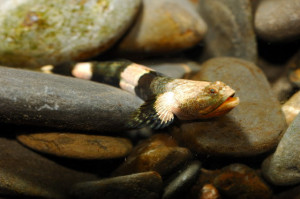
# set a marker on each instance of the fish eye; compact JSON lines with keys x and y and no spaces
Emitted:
{"x":212,"y":90}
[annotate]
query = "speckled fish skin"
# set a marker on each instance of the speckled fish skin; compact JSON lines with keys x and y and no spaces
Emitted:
{"x":165,"y":97}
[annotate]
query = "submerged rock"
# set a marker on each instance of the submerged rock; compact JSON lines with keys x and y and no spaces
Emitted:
{"x":253,"y":127}
{"x":78,"y":146}
{"x":164,"y":26}
{"x":182,"y":181}
{"x":159,"y":153}
{"x":283,"y":167}
{"x":39,"y":99}
{"x":278,"y":20}
{"x":25,"y":173}
{"x":230,"y":29}
{"x":138,"y":186}
{"x":35,"y":33}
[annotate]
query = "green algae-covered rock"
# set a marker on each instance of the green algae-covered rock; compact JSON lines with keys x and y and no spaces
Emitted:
{"x":38,"y":32}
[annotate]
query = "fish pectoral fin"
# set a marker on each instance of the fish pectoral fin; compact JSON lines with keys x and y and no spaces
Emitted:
{"x":155,"y":113}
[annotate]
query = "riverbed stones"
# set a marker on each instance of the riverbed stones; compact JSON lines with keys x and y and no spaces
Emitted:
{"x":159,"y":153}
{"x":283,"y":167}
{"x":230,"y":29}
{"x":139,"y":186}
{"x":292,"y":107}
{"x":35,"y":33}
{"x":164,"y":26}
{"x":79,"y":146}
{"x":278,"y":20}
{"x":39,"y":99}
{"x":251,"y":128}
{"x":26,"y":173}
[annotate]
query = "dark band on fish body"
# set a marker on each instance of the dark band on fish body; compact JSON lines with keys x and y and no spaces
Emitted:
{"x":143,"y":88}
{"x":109,"y":72}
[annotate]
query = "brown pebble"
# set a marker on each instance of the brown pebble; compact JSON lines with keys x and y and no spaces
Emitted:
{"x":78,"y":146}
{"x":159,"y":153}
{"x":239,"y":181}
{"x":208,"y":191}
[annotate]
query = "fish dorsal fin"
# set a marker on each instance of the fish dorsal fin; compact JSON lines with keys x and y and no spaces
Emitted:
{"x":156,"y":112}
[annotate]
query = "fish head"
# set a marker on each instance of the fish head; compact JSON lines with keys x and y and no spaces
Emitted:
{"x":210,"y":99}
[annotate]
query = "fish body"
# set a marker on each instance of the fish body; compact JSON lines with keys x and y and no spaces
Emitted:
{"x":164,"y":97}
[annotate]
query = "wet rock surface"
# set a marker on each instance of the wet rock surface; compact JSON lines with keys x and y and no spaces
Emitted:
{"x":164,"y":26}
{"x":182,"y":181}
{"x":25,"y":173}
{"x":35,"y":33}
{"x":253,"y":127}
{"x":282,"y":168}
{"x":79,"y":146}
{"x":159,"y":153}
{"x":278,"y":20}
{"x":55,"y":101}
{"x":230,"y":29}
{"x":141,"y":185}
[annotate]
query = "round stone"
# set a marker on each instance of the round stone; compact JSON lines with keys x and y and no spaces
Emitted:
{"x":159,"y":153}
{"x":164,"y":26}
{"x":253,"y":127}
{"x":35,"y":33}
{"x":78,"y":146}
{"x":278,"y":20}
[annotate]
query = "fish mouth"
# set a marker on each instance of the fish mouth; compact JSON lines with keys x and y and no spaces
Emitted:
{"x":224,"y":108}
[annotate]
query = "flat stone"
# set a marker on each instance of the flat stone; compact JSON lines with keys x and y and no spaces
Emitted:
{"x":277,"y":20}
{"x":138,"y":186}
{"x":283,"y":167}
{"x":26,"y":173}
{"x":239,"y":181}
{"x":35,"y":33}
{"x":159,"y":153}
{"x":182,"y":181}
{"x":230,"y":29}
{"x":251,"y":128}
{"x":291,"y":108}
{"x":164,"y":26}
{"x":39,"y":99}
{"x":80,"y":146}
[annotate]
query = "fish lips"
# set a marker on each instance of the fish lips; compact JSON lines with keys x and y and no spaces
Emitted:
{"x":223,"y":108}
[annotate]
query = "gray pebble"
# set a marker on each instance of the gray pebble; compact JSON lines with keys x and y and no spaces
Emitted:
{"x":278,"y":20}
{"x":183,"y":180}
{"x":136,"y":186}
{"x":33,"y":98}
{"x":283,"y":167}
{"x":230,"y":29}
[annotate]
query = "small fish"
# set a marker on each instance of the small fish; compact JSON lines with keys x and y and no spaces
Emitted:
{"x":164,"y":97}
